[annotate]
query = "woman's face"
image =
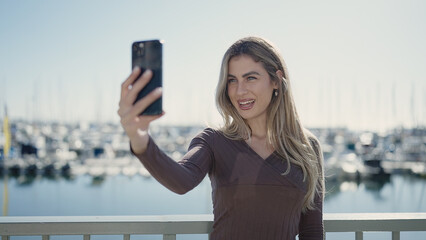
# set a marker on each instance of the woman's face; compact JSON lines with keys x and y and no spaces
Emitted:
{"x":249,"y":87}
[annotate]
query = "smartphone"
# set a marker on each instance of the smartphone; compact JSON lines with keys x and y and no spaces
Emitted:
{"x":149,"y":55}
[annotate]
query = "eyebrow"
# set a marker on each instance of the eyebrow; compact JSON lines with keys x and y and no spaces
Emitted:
{"x":246,"y":74}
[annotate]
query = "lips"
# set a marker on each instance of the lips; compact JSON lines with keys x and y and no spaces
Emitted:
{"x":246,"y":104}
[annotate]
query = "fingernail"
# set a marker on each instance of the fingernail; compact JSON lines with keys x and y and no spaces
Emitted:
{"x":147,"y":72}
{"x":135,"y":68}
{"x":159,"y":90}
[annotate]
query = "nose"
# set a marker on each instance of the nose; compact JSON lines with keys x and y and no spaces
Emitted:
{"x":241,"y":88}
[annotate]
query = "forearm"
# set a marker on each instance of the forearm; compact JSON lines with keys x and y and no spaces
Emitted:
{"x":179,"y":177}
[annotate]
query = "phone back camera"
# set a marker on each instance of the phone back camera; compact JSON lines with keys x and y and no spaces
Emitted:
{"x":139,"y":49}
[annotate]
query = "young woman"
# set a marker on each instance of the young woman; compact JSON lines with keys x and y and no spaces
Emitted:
{"x":265,"y":167}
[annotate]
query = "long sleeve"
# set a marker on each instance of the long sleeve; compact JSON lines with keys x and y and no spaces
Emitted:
{"x":179,"y":177}
{"x":311,"y":223}
{"x":311,"y":226}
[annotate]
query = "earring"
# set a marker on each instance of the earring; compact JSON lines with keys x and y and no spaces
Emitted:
{"x":276,"y":92}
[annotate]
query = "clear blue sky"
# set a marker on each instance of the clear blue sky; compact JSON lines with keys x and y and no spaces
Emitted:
{"x":358,"y":64}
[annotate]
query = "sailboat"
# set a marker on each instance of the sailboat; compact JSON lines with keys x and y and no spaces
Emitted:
{"x":6,"y":136}
{"x":6,"y":149}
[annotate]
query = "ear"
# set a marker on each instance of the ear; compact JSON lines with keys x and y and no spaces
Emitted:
{"x":280,"y":75}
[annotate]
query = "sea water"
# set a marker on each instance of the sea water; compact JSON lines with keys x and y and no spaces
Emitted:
{"x":122,"y":195}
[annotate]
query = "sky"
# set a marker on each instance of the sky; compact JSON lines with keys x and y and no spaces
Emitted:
{"x":355,"y":64}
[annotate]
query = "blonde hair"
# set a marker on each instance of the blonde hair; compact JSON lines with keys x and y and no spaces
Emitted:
{"x":285,"y":132}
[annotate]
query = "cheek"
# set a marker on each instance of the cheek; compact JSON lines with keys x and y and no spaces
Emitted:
{"x":230,"y":92}
{"x":229,"y":96}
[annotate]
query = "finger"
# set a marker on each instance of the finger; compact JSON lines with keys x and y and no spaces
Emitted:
{"x":140,"y":106}
{"x":125,"y":85}
{"x":150,"y":118}
{"x":140,"y":122}
{"x":138,"y":86}
{"x":123,"y":110}
{"x":145,"y":120}
{"x":143,"y":103}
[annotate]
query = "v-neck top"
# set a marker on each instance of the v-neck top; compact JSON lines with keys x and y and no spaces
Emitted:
{"x":252,"y":199}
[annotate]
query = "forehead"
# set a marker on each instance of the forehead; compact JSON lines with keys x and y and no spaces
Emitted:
{"x":244,"y":63}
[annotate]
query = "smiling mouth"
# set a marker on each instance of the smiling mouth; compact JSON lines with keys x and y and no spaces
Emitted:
{"x":246,"y":105}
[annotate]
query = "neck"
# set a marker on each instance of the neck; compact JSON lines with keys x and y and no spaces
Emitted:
{"x":258,"y":139}
{"x":258,"y":129}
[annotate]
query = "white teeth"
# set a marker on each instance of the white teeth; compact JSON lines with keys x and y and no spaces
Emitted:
{"x":246,"y":102}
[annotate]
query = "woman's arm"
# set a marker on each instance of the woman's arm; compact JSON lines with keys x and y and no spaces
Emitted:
{"x":180,"y":177}
{"x":311,"y":225}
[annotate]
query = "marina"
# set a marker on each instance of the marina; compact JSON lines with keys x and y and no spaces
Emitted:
{"x":96,"y":150}
{"x":100,"y":150}
{"x":88,"y":170}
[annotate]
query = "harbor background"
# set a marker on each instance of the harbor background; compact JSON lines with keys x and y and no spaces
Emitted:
{"x":82,"y":170}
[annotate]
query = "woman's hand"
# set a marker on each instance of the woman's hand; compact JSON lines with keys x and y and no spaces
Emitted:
{"x":135,"y":126}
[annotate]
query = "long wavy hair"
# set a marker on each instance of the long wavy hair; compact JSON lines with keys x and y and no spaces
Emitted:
{"x":285,"y":133}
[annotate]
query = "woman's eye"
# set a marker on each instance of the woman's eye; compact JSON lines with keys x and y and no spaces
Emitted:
{"x":231,"y":80}
{"x":251,"y":78}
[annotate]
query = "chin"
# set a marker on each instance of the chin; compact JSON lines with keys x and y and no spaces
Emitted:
{"x":245,"y":116}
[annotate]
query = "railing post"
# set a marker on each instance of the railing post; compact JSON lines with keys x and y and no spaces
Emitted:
{"x":395,"y":235}
{"x":359,"y":236}
{"x":86,"y":237}
{"x":45,"y":237}
{"x":169,"y":237}
{"x":5,"y":237}
{"x":126,"y":237}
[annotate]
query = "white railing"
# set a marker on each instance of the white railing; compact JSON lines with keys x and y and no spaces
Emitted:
{"x":170,"y":225}
{"x":374,"y":222}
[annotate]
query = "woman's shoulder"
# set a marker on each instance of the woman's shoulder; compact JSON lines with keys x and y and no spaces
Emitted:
{"x":213,"y":137}
{"x":209,"y":134}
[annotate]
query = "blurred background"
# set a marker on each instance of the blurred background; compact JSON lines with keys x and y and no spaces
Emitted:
{"x":356,"y":69}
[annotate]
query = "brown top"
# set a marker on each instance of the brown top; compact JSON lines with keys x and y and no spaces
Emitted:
{"x":251,"y":199}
